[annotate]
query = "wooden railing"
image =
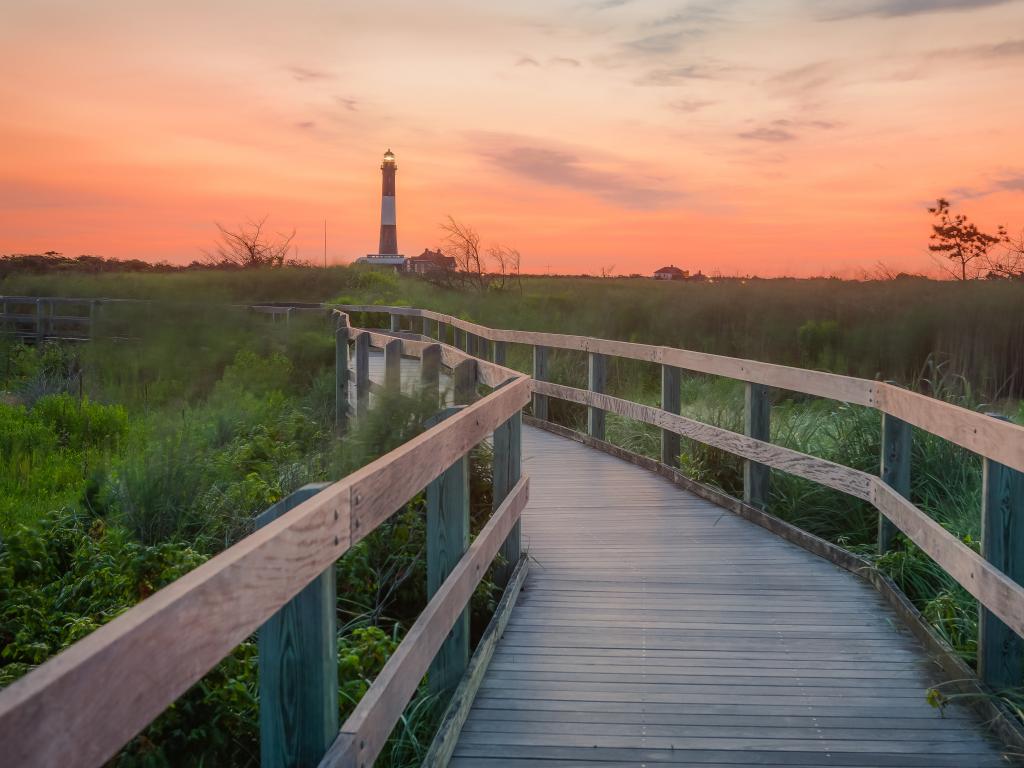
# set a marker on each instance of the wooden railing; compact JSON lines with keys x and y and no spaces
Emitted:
{"x":992,"y":577}
{"x":82,"y":706}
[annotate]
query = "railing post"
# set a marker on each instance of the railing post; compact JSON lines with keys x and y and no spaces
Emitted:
{"x":540,"y":373}
{"x":298,"y":666}
{"x":393,"y":365}
{"x":396,"y":323}
{"x":341,"y":377}
{"x":897,"y":437}
{"x":756,"y":424}
{"x":458,"y":338}
{"x":471,"y":344}
{"x":671,"y":382}
{"x":506,"y":471}
{"x":425,"y":326}
{"x":362,"y":373}
{"x":40,"y":320}
{"x":430,"y":369}
{"x":1000,"y":649}
{"x":447,"y":541}
{"x":464,"y":378}
{"x":500,"y":352}
{"x":597,"y":375}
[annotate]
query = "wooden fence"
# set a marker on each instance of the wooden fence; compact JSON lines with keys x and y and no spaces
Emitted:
{"x":79,"y":708}
{"x":992,"y":577}
{"x":82,"y":706}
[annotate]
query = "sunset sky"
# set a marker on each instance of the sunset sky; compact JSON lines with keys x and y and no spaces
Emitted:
{"x":740,"y":136}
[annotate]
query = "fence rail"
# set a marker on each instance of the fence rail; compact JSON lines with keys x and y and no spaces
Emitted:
{"x":990,"y":577}
{"x":82,"y":706}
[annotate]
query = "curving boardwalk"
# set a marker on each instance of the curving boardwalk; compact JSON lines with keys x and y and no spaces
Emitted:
{"x":656,"y":628}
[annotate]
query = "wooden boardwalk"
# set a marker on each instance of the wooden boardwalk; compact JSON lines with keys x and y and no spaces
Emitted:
{"x":655,"y":628}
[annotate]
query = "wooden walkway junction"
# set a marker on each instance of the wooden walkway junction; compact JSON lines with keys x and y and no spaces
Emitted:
{"x":646,"y":619}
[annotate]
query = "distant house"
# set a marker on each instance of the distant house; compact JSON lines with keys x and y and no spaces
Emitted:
{"x":430,"y":261}
{"x":671,"y":273}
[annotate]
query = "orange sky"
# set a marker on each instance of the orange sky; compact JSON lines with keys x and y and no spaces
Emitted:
{"x":759,"y":136}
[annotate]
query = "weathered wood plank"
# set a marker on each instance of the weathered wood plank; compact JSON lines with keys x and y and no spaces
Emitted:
{"x":362,"y":373}
{"x":393,"y":365}
{"x":540,"y":373}
{"x":506,"y":471}
{"x":670,"y":401}
{"x":897,"y":439}
{"x":756,"y":424}
{"x":597,"y":377}
{"x":364,"y":733}
{"x":341,"y":379}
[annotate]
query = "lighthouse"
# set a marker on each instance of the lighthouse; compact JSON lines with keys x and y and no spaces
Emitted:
{"x":387,"y":253}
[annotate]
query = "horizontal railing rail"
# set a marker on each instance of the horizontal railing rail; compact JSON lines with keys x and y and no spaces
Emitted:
{"x":991,"y":577}
{"x":82,"y":706}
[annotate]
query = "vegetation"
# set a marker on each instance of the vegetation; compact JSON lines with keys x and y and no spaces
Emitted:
{"x":127,"y":461}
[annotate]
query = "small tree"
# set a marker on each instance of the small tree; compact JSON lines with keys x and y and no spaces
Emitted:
{"x":495,"y":267}
{"x":249,"y":246}
{"x":958,"y":240}
{"x":1008,"y":265}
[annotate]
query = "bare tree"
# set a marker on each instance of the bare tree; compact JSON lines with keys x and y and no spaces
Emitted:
{"x":1009,"y":265}
{"x":506,"y":261}
{"x":959,"y":240}
{"x":496,"y":267}
{"x":250,"y":246}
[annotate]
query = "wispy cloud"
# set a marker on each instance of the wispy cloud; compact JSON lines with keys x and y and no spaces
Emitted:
{"x":1009,"y":49}
{"x":305,"y":74}
{"x":352,"y":105}
{"x":658,"y":44}
{"x":1012,"y":182}
{"x":565,"y":61}
{"x":682,"y":74}
{"x":689,"y":106}
{"x":527,"y":61}
{"x":560,"y":168}
{"x":772,"y":135}
{"x":784,"y":130}
{"x":897,"y":8}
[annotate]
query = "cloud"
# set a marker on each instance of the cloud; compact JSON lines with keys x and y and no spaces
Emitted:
{"x":558,"y":168}
{"x":306,"y":125}
{"x":565,"y":61}
{"x":689,"y":106}
{"x":1014,"y":182}
{"x":677,"y":75}
{"x":661,"y":43}
{"x":352,"y":105}
{"x":1008,"y":49}
{"x":527,"y":61}
{"x":897,"y":8}
{"x":773,"y":135}
{"x":304,"y":74}
{"x":808,"y":77}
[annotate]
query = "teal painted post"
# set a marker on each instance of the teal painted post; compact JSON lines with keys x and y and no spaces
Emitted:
{"x":393,"y":365}
{"x":756,"y":424}
{"x":298,"y":666}
{"x":506,"y":471}
{"x":486,"y":349}
{"x":396,"y":323}
{"x":341,"y":377}
{"x":447,"y":541}
{"x":597,"y":375}
{"x":1000,"y":649}
{"x":442,"y":332}
{"x":464,"y":377}
{"x":897,"y":437}
{"x":671,"y":384}
{"x":458,"y":338}
{"x":500,"y":352}
{"x":362,"y":373}
{"x":540,"y":373}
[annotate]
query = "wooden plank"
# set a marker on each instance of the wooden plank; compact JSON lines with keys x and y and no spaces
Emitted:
{"x":382,"y":486}
{"x":597,"y":378}
{"x":341,"y":379}
{"x":1000,"y":441}
{"x":396,"y":323}
{"x":1000,"y":649}
{"x":80,"y":707}
{"x":670,"y":402}
{"x":827,"y":473}
{"x":506,"y":471}
{"x":298,"y":665}
{"x":393,"y":365}
{"x":897,"y":437}
{"x":447,"y":541}
{"x":756,"y":424}
{"x":430,"y":369}
{"x":443,"y":745}
{"x":362,"y":373}
{"x":464,"y":378}
{"x":364,"y":733}
{"x":540,"y":373}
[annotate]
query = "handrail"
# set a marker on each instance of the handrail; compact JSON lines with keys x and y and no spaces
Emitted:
{"x":997,"y":440}
{"x":80,"y":707}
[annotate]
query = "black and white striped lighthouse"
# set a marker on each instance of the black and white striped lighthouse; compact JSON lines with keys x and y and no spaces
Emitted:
{"x":388,"y":222}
